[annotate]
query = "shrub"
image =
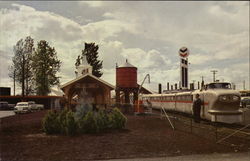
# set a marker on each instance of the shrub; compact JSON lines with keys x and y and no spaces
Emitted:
{"x":67,"y":122}
{"x":82,"y":110}
{"x":102,"y":120}
{"x":70,"y":124}
{"x":62,"y":120}
{"x":88,"y":123}
{"x":50,"y":123}
{"x":118,"y":120}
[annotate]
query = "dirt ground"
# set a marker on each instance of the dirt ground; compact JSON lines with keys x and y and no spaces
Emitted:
{"x":21,"y":138}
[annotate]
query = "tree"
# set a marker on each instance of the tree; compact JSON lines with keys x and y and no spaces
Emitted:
{"x":78,"y":61}
{"x":45,"y":66}
{"x":91,"y":53}
{"x":21,"y":65}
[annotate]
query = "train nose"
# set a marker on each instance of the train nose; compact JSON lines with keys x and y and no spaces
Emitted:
{"x":226,"y":109}
{"x":229,"y":98}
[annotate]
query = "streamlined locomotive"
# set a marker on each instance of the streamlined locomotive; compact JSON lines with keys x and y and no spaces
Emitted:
{"x":220,"y":103}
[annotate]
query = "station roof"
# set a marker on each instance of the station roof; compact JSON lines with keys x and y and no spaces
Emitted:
{"x":84,"y":76}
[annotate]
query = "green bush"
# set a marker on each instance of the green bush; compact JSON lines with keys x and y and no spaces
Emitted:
{"x":88,"y":124}
{"x":118,"y":120}
{"x":50,"y":123}
{"x":67,"y":122}
{"x":102,"y":120}
{"x":82,"y":110}
{"x":62,"y":120}
{"x":70,"y":124}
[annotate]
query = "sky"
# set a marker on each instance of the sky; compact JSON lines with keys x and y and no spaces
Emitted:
{"x":147,"y":33}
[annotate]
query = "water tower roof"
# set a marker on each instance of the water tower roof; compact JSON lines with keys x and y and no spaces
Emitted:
{"x":127,"y":64}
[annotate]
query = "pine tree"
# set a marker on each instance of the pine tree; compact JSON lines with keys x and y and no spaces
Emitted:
{"x":21,"y":65}
{"x":45,"y":66}
{"x":91,"y":53}
{"x":78,"y":61}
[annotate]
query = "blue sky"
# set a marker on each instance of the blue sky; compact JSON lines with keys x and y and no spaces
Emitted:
{"x":148,"y":34}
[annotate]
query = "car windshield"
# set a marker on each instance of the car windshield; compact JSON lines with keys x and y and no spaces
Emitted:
{"x":21,"y":104}
{"x":247,"y":101}
{"x":219,"y":85}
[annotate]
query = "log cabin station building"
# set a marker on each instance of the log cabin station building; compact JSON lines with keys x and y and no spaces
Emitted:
{"x":94,"y":90}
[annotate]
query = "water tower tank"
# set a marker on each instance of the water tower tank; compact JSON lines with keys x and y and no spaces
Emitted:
{"x":126,"y":76}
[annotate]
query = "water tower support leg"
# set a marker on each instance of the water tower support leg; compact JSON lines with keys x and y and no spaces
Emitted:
{"x":117,"y":98}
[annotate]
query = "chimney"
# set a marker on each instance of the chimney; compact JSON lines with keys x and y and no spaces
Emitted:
{"x":159,"y":88}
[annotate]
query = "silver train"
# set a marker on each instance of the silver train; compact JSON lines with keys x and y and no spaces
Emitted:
{"x":220,"y":102}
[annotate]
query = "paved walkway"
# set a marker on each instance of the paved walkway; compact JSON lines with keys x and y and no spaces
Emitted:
{"x":204,"y":157}
{"x":6,"y":113}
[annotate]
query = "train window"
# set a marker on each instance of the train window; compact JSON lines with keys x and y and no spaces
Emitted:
{"x":219,"y":85}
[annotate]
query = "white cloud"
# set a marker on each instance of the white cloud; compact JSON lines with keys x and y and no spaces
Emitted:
{"x":93,"y":3}
{"x":217,"y":33}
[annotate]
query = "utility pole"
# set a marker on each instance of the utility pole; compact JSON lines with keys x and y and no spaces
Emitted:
{"x":214,"y":72}
{"x":244,"y":87}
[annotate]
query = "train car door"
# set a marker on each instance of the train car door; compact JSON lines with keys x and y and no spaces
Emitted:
{"x":203,"y":108}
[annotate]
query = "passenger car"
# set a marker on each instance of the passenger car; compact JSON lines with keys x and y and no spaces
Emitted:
{"x":4,"y":105}
{"x":245,"y":103}
{"x":35,"y":106}
{"x":22,"y":107}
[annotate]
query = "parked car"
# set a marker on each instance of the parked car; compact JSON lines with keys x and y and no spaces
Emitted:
{"x":11,"y":106}
{"x":35,"y":106}
{"x":245,"y":103}
{"x":4,"y":105}
{"x":22,"y":107}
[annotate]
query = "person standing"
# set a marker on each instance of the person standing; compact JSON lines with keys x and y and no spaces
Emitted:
{"x":197,"y":108}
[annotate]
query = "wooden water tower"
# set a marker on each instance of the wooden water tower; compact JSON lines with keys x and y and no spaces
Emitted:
{"x":126,"y":82}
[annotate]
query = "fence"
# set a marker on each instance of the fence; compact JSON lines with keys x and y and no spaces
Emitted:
{"x":219,"y":132}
